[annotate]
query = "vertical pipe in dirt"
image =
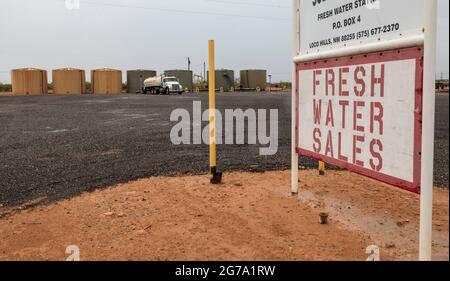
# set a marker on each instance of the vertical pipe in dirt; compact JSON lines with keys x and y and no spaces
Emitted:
{"x":321,"y":168}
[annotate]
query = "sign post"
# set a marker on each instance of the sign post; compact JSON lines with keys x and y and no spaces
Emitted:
{"x":364,"y":92}
{"x":429,"y":100}
{"x":295,"y":53}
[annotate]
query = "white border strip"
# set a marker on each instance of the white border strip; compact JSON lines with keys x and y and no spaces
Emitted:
{"x":295,"y":52}
{"x":428,"y":122}
{"x":411,"y":41}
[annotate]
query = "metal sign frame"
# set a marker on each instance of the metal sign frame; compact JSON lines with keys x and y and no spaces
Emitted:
{"x":428,"y":41}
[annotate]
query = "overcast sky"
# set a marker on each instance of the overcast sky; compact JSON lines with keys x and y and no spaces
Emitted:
{"x":157,"y":34}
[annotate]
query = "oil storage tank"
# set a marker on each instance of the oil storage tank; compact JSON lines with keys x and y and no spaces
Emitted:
{"x":29,"y":81}
{"x":185,"y":77}
{"x":106,"y":81}
{"x":69,"y":81}
{"x":136,"y":78}
{"x":254,"y":78}
{"x":224,"y":79}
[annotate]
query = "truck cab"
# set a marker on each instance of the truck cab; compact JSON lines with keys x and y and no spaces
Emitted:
{"x":173,"y":85}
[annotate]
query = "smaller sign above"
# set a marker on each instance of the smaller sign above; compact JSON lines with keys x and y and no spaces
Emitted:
{"x":333,"y":24}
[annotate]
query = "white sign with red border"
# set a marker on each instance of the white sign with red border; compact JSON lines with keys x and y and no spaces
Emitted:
{"x":364,"y":92}
{"x":363,"y":113}
{"x":359,"y":87}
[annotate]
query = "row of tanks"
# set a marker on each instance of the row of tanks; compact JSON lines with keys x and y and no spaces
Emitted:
{"x":109,"y":81}
{"x":33,"y":81}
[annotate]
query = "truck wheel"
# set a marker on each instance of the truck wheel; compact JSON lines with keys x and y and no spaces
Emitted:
{"x":167,"y":91}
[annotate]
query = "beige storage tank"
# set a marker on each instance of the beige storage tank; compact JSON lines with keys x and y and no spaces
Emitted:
{"x":106,"y":81}
{"x":29,"y":81}
{"x":69,"y":81}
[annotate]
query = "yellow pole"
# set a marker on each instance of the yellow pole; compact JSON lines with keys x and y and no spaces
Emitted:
{"x":216,"y":177}
{"x":321,"y":168}
{"x":212,"y":106}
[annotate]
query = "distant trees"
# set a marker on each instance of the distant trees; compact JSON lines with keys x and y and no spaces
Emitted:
{"x":5,"y":87}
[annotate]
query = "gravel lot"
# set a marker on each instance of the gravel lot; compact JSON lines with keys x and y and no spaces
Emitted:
{"x":441,"y":158}
{"x":55,"y":147}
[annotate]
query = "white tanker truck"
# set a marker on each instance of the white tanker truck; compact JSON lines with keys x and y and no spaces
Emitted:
{"x":162,"y":85}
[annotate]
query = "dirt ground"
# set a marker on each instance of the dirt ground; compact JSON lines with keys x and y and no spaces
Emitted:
{"x":250,"y":217}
